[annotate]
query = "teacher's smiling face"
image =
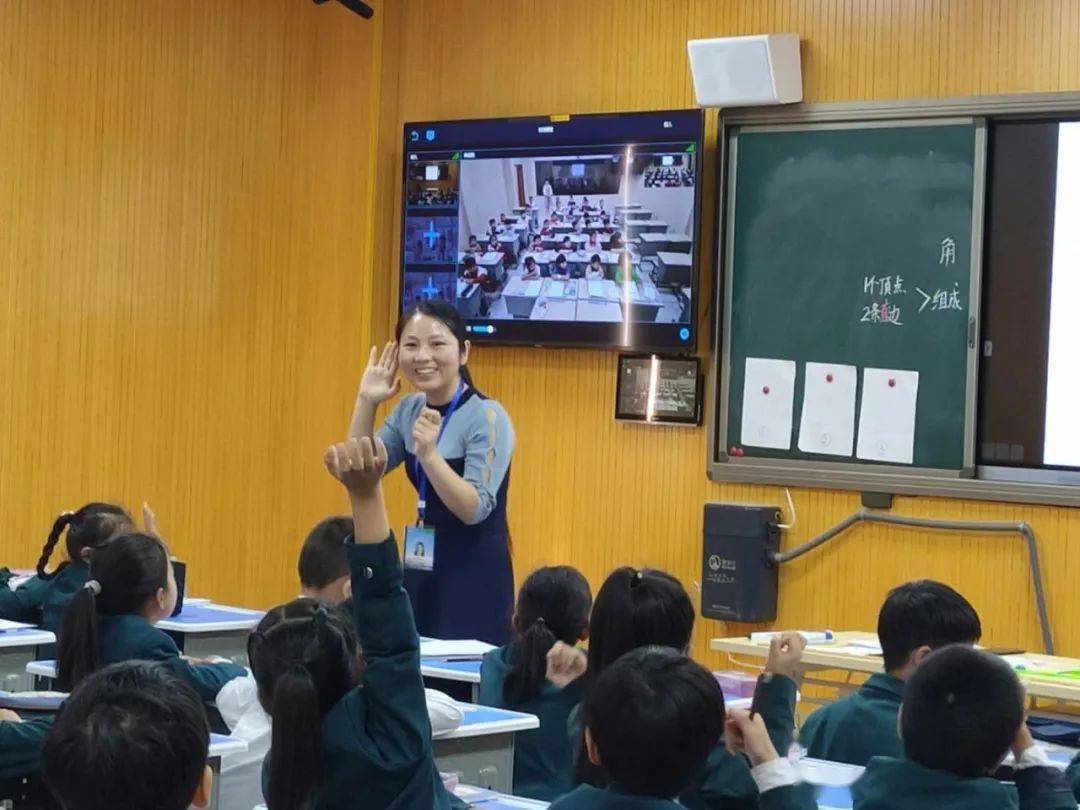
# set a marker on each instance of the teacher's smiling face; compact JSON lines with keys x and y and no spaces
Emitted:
{"x":431,"y":357}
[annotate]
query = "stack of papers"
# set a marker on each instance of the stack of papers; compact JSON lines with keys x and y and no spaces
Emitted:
{"x":532,"y":289}
{"x":596,"y":289}
{"x":556,"y":288}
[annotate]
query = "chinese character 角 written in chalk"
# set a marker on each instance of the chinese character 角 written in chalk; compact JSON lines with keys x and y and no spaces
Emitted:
{"x":948,"y":252}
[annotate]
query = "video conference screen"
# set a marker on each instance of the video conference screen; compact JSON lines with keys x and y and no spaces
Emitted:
{"x":1030,"y":387}
{"x":574,"y":230}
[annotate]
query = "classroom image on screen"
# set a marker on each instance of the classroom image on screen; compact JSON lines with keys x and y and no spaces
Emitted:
{"x":604,"y":237}
{"x":432,"y":184}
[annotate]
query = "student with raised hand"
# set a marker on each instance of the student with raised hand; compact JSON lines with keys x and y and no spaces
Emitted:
{"x":111,"y":619}
{"x":350,"y":724}
{"x":916,"y":618}
{"x":963,"y":711}
{"x":652,"y":719}
{"x":43,"y":597}
{"x":131,"y":735}
{"x":552,"y":606}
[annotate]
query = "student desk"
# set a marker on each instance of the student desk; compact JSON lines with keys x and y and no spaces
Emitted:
{"x":637,"y":301}
{"x":622,"y":209}
{"x":841,"y":656}
{"x":484,"y":799}
{"x":468,"y":299}
{"x":460,"y":671}
{"x":220,"y":745}
{"x":18,"y":648}
{"x":481,"y":749}
{"x":522,"y":296}
{"x":520,"y":210}
{"x":204,"y":631}
{"x":675,"y":269}
{"x":636,"y":227}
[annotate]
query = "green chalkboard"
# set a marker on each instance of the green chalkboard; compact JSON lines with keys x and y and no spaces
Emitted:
{"x":853,"y":244}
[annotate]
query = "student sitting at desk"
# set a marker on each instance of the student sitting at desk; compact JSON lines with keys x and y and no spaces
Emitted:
{"x":130,"y":735}
{"x":111,"y":619}
{"x":552,"y":606}
{"x":652,"y":719}
{"x":537,"y":244}
{"x":595,"y":270}
{"x":42,"y":598}
{"x":470,"y":270}
{"x":531,"y":270}
{"x":493,"y":229}
{"x":566,"y":246}
{"x":626,"y":272}
{"x":917,"y":618}
{"x":592,"y":243}
{"x":350,"y":725}
{"x":963,"y":711}
{"x":637,"y":608}
{"x":579,"y":225}
{"x":545,"y":229}
{"x":616,"y":242}
{"x":474,"y":244}
{"x":558,"y":270}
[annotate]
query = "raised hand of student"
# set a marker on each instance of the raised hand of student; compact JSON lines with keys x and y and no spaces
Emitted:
{"x":748,"y":735}
{"x":149,"y":520}
{"x":785,"y":653}
{"x":426,"y":433}
{"x":359,"y":464}
{"x":565,"y":664}
{"x":380,"y":381}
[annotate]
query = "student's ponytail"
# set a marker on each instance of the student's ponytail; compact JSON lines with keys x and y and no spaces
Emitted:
{"x":78,"y":654}
{"x":553,"y":605}
{"x":296,"y":763}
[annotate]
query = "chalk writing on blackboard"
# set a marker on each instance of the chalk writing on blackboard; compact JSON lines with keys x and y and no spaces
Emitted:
{"x":883,"y":312}
{"x":948,"y":251}
{"x":885,"y":285}
{"x":941,"y":300}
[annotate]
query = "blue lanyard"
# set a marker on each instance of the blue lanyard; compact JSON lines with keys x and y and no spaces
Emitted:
{"x":421,"y":476}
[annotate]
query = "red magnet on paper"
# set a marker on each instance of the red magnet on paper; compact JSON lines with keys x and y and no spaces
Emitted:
{"x":765,"y":390}
{"x":734,"y":451}
{"x":828,"y":378}
{"x":892,"y":383}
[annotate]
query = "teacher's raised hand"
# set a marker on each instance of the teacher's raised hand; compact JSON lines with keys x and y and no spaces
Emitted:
{"x":379,"y":383}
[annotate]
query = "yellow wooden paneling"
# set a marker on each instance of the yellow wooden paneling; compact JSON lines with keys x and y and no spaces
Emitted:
{"x":185,"y":192}
{"x":599,"y":494}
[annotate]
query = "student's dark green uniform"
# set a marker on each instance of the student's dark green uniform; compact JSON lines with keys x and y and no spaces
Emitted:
{"x":42,"y":601}
{"x":859,"y":726}
{"x":586,"y":796}
{"x":133,"y":638}
{"x":900,"y":784}
{"x":543,"y":757}
{"x":1073,"y":775}
{"x":377,"y":738}
{"x":20,"y":746}
{"x":725,"y":782}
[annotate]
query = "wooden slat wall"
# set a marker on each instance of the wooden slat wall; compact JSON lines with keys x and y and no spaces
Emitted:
{"x":599,"y":494}
{"x":199,"y":221}
{"x":185,"y":223}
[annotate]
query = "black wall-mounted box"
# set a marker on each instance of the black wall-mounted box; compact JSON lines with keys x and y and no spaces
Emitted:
{"x":739,"y":579}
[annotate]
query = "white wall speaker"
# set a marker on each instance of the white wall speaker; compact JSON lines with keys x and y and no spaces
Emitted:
{"x":746,"y":71}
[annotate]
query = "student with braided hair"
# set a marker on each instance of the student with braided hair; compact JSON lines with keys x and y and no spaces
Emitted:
{"x":42,"y":598}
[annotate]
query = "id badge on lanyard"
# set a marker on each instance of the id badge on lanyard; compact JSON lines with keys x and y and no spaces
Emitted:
{"x":420,"y":539}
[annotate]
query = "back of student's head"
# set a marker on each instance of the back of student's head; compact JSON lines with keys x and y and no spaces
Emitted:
{"x":552,"y":605}
{"x":87,"y":528}
{"x":924,"y":613}
{"x":961,"y":712}
{"x":322,"y":557}
{"x":305,"y":658}
{"x":132,"y":735}
{"x":127,"y":573}
{"x":653,"y":716}
{"x":638,"y":608}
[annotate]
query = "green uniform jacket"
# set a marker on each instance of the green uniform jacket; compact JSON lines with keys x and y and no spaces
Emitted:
{"x":725,"y":782}
{"x":131,"y":638}
{"x":42,"y":601}
{"x":377,"y":738}
{"x":543,"y":757}
{"x":859,"y":726}
{"x":1073,"y":774}
{"x":20,"y":746}
{"x":587,"y":796}
{"x":900,"y":784}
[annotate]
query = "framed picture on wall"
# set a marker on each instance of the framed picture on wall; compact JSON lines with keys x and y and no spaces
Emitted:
{"x":658,"y":390}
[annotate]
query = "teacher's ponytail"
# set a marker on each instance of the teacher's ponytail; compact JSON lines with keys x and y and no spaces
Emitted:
{"x":449,"y":317}
{"x":553,"y":605}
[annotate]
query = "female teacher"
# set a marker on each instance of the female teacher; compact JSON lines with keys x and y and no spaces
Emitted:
{"x":456,"y":445}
